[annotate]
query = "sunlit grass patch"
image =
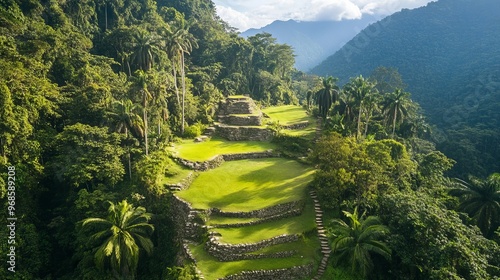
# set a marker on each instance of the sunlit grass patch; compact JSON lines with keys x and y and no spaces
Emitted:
{"x":176,"y":174}
{"x":202,"y":151}
{"x":288,"y":114}
{"x":212,"y":269}
{"x":255,"y":233}
{"x":247,"y":185}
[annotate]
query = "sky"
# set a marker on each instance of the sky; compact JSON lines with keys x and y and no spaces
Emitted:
{"x":245,"y":14}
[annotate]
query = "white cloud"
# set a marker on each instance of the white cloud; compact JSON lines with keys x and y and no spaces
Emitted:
{"x":244,"y":14}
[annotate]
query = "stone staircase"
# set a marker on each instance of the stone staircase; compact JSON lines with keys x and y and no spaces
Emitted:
{"x":325,"y":246}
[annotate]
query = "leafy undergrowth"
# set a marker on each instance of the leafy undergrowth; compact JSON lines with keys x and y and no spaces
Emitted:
{"x":202,"y":151}
{"x":339,"y":273}
{"x":247,"y":185}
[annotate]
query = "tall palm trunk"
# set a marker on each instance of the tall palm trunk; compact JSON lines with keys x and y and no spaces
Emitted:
{"x":367,"y":122}
{"x":394,"y":120}
{"x":128,"y":155}
{"x":145,"y":119}
{"x":183,"y":80}
{"x":359,"y":121}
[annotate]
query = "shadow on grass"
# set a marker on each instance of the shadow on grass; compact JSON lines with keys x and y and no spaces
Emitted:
{"x":289,"y":190}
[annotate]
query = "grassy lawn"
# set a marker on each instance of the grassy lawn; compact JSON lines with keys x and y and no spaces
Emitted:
{"x":176,"y":174}
{"x":308,"y":132}
{"x":247,"y":185}
{"x":256,"y":233}
{"x":288,"y":114}
{"x":213,"y":269}
{"x":202,"y":151}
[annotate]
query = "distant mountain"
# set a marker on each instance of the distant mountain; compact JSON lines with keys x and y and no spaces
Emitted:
{"x":313,"y":41}
{"x":448,"y":53}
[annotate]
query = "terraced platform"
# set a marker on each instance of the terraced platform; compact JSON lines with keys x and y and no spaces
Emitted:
{"x":249,"y":215}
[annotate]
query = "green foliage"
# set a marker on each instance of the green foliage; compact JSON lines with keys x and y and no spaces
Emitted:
{"x":87,"y":156}
{"x":429,"y":241}
{"x":151,"y":171}
{"x":446,"y":53}
{"x":187,"y":272}
{"x":359,"y":171}
{"x":194,"y":130}
{"x":126,"y":229}
{"x":354,"y":243}
{"x":481,"y":200}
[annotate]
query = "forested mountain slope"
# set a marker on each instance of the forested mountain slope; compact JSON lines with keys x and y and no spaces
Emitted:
{"x":91,"y":92}
{"x":447,"y":53}
{"x":313,"y":41}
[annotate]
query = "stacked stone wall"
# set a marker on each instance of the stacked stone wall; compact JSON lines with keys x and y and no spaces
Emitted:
{"x":217,"y":249}
{"x":299,"y":125}
{"x":262,"y":213}
{"x":242,"y":120}
{"x":242,"y":133}
{"x":292,"y":213}
{"x":219,"y":159}
{"x":237,"y":106}
{"x":293,"y":273}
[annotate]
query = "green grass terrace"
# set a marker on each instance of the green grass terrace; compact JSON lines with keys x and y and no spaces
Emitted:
{"x":202,"y":151}
{"x":247,"y":185}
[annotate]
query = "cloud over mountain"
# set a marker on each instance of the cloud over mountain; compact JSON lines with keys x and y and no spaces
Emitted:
{"x":244,"y":14}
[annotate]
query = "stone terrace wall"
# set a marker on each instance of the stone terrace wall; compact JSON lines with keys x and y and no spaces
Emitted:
{"x":299,"y":125}
{"x":219,"y":159}
{"x":292,"y":213}
{"x":242,"y":133}
{"x":201,"y":165}
{"x":242,"y":120}
{"x":237,"y":106}
{"x":262,"y":213}
{"x":217,"y":249}
{"x":266,"y":154}
{"x":239,"y":257}
{"x":293,"y":273}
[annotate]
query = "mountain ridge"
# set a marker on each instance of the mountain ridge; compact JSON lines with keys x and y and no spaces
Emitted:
{"x":329,"y":36}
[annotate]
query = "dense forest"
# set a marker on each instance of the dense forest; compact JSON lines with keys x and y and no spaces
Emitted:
{"x":447,"y":55}
{"x":92,"y":93}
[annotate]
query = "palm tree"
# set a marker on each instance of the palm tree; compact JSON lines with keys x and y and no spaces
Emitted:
{"x":371,"y":103}
{"x":481,"y":200}
{"x":359,"y":89}
{"x":124,"y":230}
{"x":144,"y":46}
{"x":354,"y":242}
{"x":395,"y":106}
{"x":127,"y":120}
{"x":180,"y":42}
{"x":327,"y":95}
{"x":142,"y":86}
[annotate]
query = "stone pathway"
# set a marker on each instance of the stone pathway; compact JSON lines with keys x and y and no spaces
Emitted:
{"x":325,"y":247}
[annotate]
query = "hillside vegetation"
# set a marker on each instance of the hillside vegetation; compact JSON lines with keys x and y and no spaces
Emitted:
{"x":447,"y":53}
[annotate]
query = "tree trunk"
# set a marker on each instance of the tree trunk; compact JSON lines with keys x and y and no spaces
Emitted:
{"x":358,"y":134}
{"x":145,"y":117}
{"x":183,"y":90}
{"x":105,"y":16}
{"x":367,"y":122}
{"x":394,"y":121}
{"x":128,"y":154}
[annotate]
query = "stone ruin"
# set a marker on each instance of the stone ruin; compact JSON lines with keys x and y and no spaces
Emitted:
{"x":241,"y":120}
